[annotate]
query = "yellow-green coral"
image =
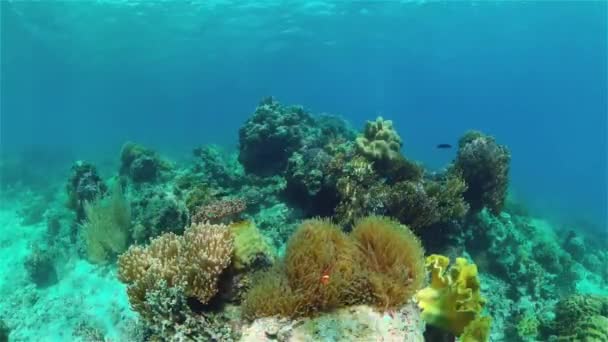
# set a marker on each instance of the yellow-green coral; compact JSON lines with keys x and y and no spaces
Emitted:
{"x":106,"y":228}
{"x":193,"y":261}
{"x":477,"y":331}
{"x":452,"y":300}
{"x":249,"y":244}
{"x":379,"y":141}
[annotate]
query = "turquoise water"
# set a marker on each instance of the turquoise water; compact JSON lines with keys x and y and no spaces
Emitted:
{"x":79,"y":79}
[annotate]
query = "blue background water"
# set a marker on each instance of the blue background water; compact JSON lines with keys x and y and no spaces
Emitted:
{"x":87,"y":76}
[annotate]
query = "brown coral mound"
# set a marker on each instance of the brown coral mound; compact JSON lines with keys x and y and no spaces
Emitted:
{"x":393,"y":259}
{"x":193,"y":261}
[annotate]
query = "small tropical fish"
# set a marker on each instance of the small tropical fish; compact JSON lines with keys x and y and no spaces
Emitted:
{"x":325,"y":277}
{"x":444,"y":146}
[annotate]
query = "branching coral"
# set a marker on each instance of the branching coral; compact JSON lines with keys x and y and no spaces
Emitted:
{"x":485,"y":167}
{"x":393,"y":259}
{"x":452,"y":300}
{"x":107,"y":226}
{"x":193,"y":261}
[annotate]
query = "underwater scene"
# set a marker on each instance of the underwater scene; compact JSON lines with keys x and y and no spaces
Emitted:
{"x":293,"y":170}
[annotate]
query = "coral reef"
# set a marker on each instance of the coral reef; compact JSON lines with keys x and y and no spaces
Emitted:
{"x":4,"y":331}
{"x":194,"y":261}
{"x":140,"y":164}
{"x":427,"y":202}
{"x":271,"y":135}
{"x":216,"y":167}
{"x":155,"y":211}
{"x":172,"y":319}
{"x":484,"y":165}
{"x":580,"y":318}
{"x":40,"y":266}
{"x":84,"y":185}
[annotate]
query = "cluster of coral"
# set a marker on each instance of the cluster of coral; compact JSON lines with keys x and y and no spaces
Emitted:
{"x":227,"y":247}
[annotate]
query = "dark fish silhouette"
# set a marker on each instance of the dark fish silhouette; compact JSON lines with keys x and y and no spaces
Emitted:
{"x":444,"y":146}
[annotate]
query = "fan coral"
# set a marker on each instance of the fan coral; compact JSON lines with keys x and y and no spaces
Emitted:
{"x":379,"y":141}
{"x":106,"y":229}
{"x":485,"y":167}
{"x":393,"y":260}
{"x":452,"y":300}
{"x":194,"y":261}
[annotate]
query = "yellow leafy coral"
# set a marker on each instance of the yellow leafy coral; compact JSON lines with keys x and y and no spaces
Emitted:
{"x":193,"y":261}
{"x":452,"y":300}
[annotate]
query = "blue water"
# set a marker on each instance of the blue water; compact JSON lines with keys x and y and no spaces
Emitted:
{"x":83,"y":77}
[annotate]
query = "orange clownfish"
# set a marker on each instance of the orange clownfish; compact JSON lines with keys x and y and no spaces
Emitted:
{"x":325,"y":277}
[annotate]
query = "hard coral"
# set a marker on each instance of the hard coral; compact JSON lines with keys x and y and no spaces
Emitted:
{"x":271,"y":135}
{"x":193,"y":261}
{"x":379,"y":141}
{"x":426,"y":202}
{"x":223,"y":211}
{"x":156,"y":211}
{"x":140,"y":164}
{"x":485,"y":167}
{"x":452,"y":300}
